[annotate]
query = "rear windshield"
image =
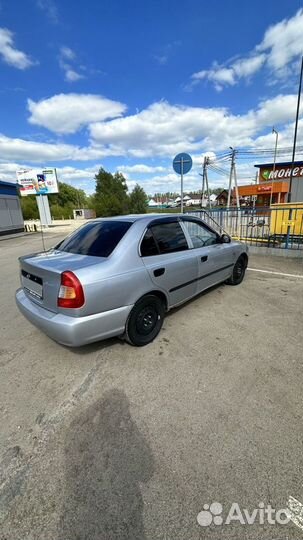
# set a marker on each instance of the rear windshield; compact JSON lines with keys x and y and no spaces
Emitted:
{"x":97,"y":239}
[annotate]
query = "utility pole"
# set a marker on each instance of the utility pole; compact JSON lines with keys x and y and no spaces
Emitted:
{"x":203,"y":180}
{"x":232,"y":175}
{"x":274,"y":166}
{"x":294,"y":154}
{"x":236,"y":185}
{"x":206,"y":183}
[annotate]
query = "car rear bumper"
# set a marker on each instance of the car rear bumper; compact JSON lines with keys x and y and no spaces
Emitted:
{"x":74,"y":331}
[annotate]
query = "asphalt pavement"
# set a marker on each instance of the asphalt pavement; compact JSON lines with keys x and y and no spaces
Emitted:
{"x":112,"y":442}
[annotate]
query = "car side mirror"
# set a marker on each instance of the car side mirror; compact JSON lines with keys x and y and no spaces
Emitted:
{"x":225,"y":239}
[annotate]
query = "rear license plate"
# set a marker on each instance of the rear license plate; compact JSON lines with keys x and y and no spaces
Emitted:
{"x":32,"y":284}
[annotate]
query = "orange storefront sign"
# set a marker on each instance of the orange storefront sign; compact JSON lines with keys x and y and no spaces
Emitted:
{"x":259,"y":189}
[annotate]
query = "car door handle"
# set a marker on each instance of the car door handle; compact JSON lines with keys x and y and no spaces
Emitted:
{"x":204,"y":258}
{"x":159,"y":272}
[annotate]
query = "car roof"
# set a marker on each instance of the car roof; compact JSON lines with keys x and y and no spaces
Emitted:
{"x":138,"y":217}
{"x":147,"y":219}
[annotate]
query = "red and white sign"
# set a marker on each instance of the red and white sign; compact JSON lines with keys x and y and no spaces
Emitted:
{"x":264,"y":188}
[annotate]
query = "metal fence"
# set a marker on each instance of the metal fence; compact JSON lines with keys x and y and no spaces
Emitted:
{"x":274,"y":227}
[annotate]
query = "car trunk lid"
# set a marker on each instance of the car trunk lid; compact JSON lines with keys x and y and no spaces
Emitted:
{"x":41,"y":274}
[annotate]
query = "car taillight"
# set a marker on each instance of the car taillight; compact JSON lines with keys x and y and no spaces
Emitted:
{"x":71,"y":293}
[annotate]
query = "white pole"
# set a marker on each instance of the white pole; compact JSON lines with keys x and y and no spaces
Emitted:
{"x":230,"y":177}
{"x":207,"y":187}
{"x":236,"y":186}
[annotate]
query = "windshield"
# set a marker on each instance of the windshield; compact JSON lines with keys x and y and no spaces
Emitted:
{"x":97,"y":239}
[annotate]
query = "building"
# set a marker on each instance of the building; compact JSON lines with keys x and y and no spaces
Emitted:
{"x":159,"y":202}
{"x":84,"y":213}
{"x":221,"y":199}
{"x":11,"y":218}
{"x":273,"y":186}
{"x":186,"y":198}
{"x":152,"y":203}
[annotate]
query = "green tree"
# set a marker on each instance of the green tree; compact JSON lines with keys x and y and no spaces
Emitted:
{"x":111,"y":198}
{"x":217,"y":191}
{"x":61,"y":204}
{"x":76,"y":198}
{"x":138,"y":200}
{"x":29,"y":207}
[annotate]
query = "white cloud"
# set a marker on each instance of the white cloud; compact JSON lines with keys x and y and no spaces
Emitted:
{"x":161,"y":59}
{"x":283,"y":42}
{"x":71,"y":75}
{"x":8,"y":171}
{"x":281,"y":45}
{"x":221,"y":75}
{"x":164,"y":53}
{"x":79,"y":178}
{"x":170,"y":182}
{"x":67,"y":53}
{"x":161,"y":129}
{"x":278,"y":110}
{"x":36,"y":152}
{"x":140,"y":168}
{"x":245,"y":67}
{"x":50,"y":9}
{"x":10,"y":54}
{"x":286,"y":136}
{"x":67,"y":113}
{"x":164,"y":130}
{"x":67,"y":60}
{"x":198,"y":159}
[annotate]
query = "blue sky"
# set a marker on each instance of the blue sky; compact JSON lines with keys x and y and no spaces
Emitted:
{"x":128,"y":84}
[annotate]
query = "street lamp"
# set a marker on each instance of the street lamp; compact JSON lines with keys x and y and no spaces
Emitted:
{"x":274,"y":167}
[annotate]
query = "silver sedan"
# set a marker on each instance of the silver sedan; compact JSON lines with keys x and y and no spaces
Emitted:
{"x":118,"y":276}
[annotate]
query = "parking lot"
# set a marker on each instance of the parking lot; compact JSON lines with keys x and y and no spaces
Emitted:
{"x":114,"y":442}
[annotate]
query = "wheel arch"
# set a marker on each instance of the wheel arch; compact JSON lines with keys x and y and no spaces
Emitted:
{"x":244,"y":256}
{"x":160,"y":294}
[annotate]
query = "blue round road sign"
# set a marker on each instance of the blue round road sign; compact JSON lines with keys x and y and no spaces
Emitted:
{"x":182,"y":161}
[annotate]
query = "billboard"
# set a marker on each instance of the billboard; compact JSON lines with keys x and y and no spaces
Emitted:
{"x":37,"y":181}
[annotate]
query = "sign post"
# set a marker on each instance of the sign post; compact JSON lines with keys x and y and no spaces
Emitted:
{"x":44,"y":210}
{"x":182,"y":164}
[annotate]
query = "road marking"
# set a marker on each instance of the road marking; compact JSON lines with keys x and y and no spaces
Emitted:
{"x":275,"y":273}
{"x":295,"y":511}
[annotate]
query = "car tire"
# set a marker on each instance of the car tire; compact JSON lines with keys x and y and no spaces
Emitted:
{"x":145,"y":320}
{"x":238,"y":272}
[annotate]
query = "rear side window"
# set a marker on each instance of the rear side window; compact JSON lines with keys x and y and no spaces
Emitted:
{"x":169,"y":237}
{"x":148,"y":245}
{"x":97,"y":239}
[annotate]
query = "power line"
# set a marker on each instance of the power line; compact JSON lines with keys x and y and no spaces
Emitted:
{"x":220,"y":169}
